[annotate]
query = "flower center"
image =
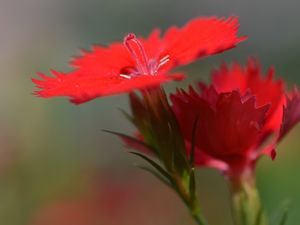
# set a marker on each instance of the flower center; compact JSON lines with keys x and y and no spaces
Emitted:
{"x":144,"y":65}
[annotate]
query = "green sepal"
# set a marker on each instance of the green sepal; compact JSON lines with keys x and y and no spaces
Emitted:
{"x":244,"y":209}
{"x":246,"y":205}
{"x":156,"y":121}
{"x":139,"y":111}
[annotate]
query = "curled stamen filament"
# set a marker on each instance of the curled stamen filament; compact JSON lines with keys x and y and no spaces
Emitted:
{"x":137,"y":52}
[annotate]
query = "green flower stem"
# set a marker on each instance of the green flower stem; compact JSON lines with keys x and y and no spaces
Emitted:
{"x":196,"y":214}
{"x":246,"y":204}
{"x":191,"y":201}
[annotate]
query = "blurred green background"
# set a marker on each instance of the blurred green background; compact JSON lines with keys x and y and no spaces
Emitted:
{"x":57,"y":167}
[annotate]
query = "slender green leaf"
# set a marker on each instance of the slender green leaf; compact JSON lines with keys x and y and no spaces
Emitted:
{"x":127,"y":115}
{"x":154,"y":164}
{"x":284,"y":217}
{"x":137,"y":141}
{"x":156,"y":174}
{"x":279,"y":217}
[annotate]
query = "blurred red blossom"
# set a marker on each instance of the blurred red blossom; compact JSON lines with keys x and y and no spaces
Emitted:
{"x":240,"y":116}
{"x":139,"y":63}
{"x":114,"y":201}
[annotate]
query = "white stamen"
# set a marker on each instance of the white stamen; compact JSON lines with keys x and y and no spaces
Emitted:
{"x":165,"y":58}
{"x":125,"y":76}
{"x":161,"y":63}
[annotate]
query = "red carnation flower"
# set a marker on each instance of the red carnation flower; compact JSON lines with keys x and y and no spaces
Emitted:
{"x":139,"y":63}
{"x":236,"y":117}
